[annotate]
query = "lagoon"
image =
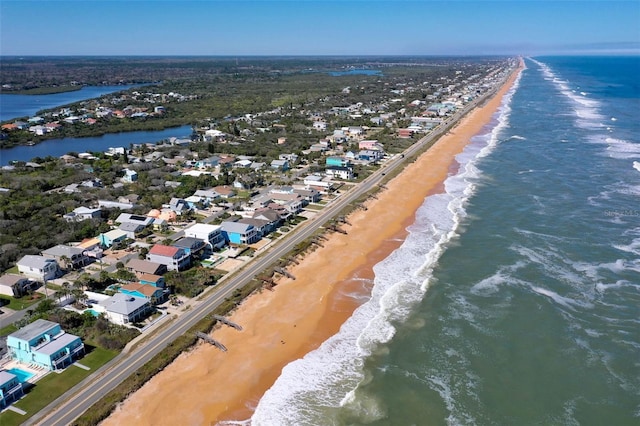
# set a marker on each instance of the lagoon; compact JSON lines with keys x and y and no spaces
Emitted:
{"x":58,"y":147}
{"x":18,"y":106}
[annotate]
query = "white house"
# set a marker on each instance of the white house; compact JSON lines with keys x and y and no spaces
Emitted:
{"x":125,"y":309}
{"x":210,"y":234}
{"x":38,"y":267}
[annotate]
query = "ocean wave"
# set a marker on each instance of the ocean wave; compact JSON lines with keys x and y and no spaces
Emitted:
{"x":314,"y":389}
{"x":586,"y":110}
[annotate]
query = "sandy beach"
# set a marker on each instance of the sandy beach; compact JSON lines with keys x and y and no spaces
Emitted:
{"x":205,"y":386}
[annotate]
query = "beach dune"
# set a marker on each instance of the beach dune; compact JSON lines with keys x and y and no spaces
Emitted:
{"x":205,"y":385}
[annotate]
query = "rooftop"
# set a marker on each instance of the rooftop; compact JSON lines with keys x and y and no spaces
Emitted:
{"x":33,"y":330}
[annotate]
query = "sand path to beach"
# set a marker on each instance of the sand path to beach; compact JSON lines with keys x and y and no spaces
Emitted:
{"x":204,"y":385}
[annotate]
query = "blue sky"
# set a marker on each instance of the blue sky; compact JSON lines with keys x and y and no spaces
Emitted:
{"x":307,"y":27}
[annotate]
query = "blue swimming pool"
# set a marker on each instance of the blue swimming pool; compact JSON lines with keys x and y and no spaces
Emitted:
{"x":92,"y":312}
{"x":22,"y":375}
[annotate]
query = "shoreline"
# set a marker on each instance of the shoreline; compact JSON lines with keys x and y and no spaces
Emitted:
{"x":283,"y":325}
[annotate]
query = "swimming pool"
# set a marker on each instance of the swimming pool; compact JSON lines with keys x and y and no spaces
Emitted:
{"x":92,"y":312}
{"x":22,"y":375}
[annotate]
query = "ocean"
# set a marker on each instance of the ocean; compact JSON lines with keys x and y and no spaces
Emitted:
{"x":515,"y":298}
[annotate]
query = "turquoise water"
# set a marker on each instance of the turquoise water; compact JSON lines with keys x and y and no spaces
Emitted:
{"x":22,"y":375}
{"x":515,"y":299}
{"x":92,"y":312}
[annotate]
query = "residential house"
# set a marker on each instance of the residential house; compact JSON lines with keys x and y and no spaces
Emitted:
{"x":262,"y":227}
{"x":130,"y":176}
{"x":140,"y":266}
{"x":108,"y":204}
{"x":178,"y":206}
{"x":208,"y":163}
{"x":239,"y":233}
{"x":292,"y":202}
{"x":370,"y":156}
{"x":292,"y":158}
{"x":112,"y":237}
{"x":144,"y":221}
{"x":320,"y":126}
{"x":38,"y":267}
{"x":154,"y":295}
{"x":44,"y":344}
{"x":82,"y":213}
{"x":151,"y":279}
{"x":174,"y":258}
{"x":340,"y":172}
{"x":15,"y":285}
{"x":131,"y":229}
{"x":126,"y":309}
{"x":91,"y":248}
{"x":67,"y":256}
{"x":224,"y":191}
{"x":271,"y":216}
{"x":208,"y":195}
{"x":281,"y":165}
{"x":10,"y":388}
{"x":192,"y":246}
{"x":370,"y":144}
{"x":308,"y":195}
{"x":210,"y":234}
{"x":318,"y":182}
{"x":337,"y":161}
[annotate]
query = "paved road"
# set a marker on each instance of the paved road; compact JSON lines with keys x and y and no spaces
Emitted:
{"x":74,"y":403}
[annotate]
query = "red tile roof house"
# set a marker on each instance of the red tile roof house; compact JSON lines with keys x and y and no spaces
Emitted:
{"x":176,"y":259}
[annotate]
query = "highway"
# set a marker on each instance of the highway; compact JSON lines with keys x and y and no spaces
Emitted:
{"x":80,"y":398}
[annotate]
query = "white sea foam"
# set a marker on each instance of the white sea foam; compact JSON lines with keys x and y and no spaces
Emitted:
{"x":310,"y":390}
{"x":586,"y":110}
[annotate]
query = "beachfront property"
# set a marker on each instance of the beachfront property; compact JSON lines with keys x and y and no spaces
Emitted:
{"x":149,"y":292}
{"x":239,"y":233}
{"x":44,"y":344}
{"x":291,"y":201}
{"x":10,"y":388}
{"x":210,"y":234}
{"x":174,"y":258}
{"x":345,"y":173}
{"x":126,"y":309}
{"x":262,"y":226}
{"x":317,"y":182}
{"x":140,"y":266}
{"x":38,"y":267}
{"x":67,"y":256}
{"x":112,"y":237}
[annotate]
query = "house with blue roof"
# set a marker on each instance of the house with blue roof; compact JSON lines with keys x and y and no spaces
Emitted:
{"x":44,"y":344}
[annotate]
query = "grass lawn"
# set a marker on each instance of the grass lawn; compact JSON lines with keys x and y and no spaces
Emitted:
{"x":19,"y":304}
{"x":5,"y":331}
{"x":315,"y":207}
{"x":50,"y":387}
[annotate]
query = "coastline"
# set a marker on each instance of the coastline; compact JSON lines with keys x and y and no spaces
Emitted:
{"x":285,"y":324}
